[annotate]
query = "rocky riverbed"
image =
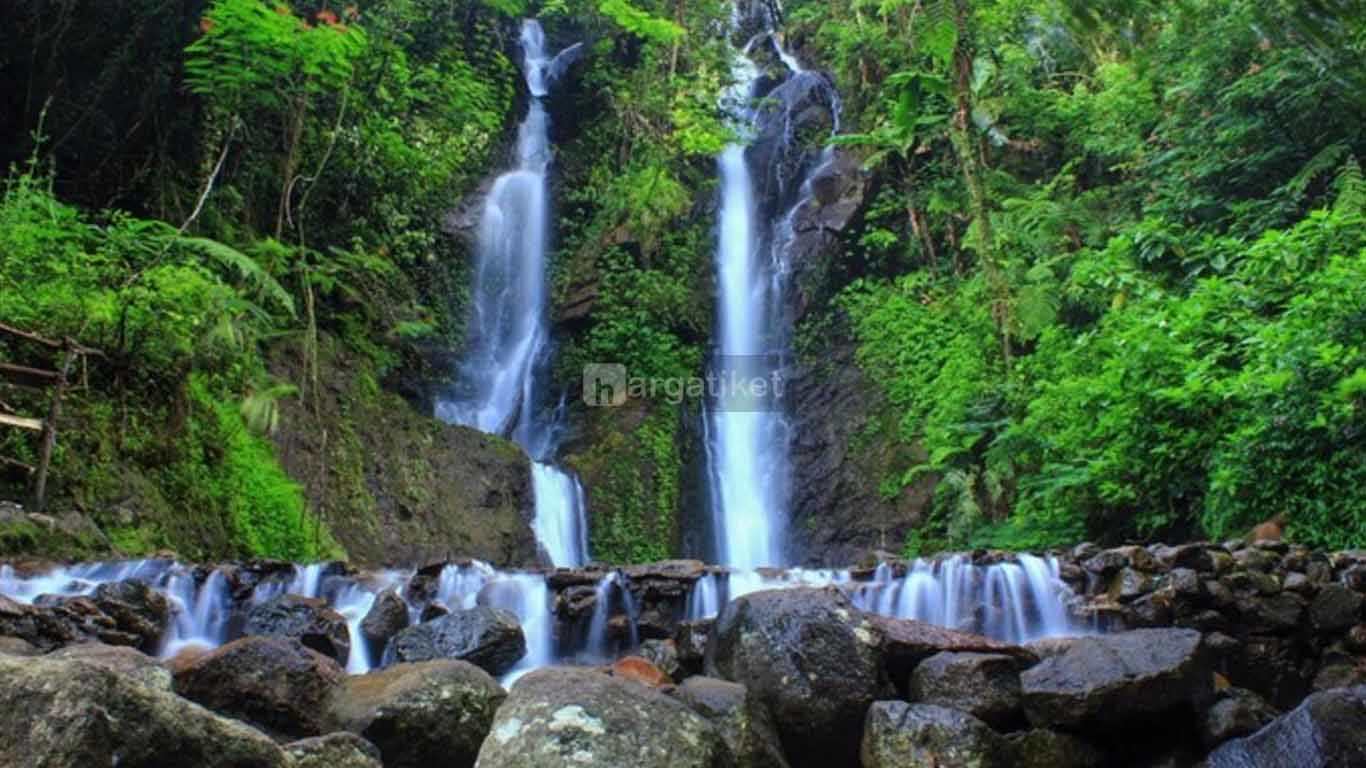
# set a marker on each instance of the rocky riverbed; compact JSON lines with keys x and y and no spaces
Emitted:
{"x":1221,"y":655}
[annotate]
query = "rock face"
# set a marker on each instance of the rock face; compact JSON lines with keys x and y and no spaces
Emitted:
{"x":387,"y":617}
{"x":901,"y":735}
{"x":810,"y":657}
{"x":1327,"y":731}
{"x":308,"y":620}
{"x":274,"y":683}
{"x":335,"y":750}
{"x":986,"y":686}
{"x":418,"y":715}
{"x":570,"y":717}
{"x":743,"y":722}
{"x":1119,"y":681}
{"x":68,"y":714}
{"x":486,"y":637}
{"x":416,"y":490}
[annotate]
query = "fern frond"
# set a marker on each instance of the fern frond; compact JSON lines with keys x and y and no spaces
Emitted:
{"x":246,"y":268}
{"x":261,"y":409}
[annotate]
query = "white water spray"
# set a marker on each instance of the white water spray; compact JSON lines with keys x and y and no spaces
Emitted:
{"x":502,"y":379}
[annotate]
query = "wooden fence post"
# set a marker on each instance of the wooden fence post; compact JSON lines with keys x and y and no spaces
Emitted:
{"x":49,"y":440}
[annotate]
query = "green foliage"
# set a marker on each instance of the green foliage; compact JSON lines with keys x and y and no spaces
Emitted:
{"x":639,"y":22}
{"x":225,"y":467}
{"x":637,"y":484}
{"x":1175,"y":205}
{"x":257,"y":55}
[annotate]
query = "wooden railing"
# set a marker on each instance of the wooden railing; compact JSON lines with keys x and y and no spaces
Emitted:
{"x":39,"y":379}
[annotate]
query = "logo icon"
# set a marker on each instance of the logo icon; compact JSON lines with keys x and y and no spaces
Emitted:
{"x":604,"y":385}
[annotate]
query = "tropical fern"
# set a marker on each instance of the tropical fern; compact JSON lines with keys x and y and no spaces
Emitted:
{"x":246,"y":268}
{"x":261,"y":408}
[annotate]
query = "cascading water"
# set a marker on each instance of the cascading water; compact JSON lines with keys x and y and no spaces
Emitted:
{"x":746,"y":431}
{"x":201,"y":613}
{"x":1015,"y":601}
{"x":502,"y":381}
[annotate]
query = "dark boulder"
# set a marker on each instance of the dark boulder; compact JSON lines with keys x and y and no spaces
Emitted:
{"x":812,"y":658}
{"x":743,"y":722}
{"x":690,"y":640}
{"x":68,"y":714}
{"x":487,"y":637}
{"x":418,"y":715}
{"x":1328,"y":730}
{"x":387,"y":617}
{"x":136,"y":609}
{"x":274,"y":683}
{"x":1039,"y":748}
{"x":901,"y":735}
{"x":1335,"y":608}
{"x":335,"y":750}
{"x":1281,"y":613}
{"x":568,"y":717}
{"x":1120,"y":682}
{"x":1236,"y":712}
{"x":906,"y":643}
{"x":306,"y":619}
{"x":1278,"y":668}
{"x":986,"y":686}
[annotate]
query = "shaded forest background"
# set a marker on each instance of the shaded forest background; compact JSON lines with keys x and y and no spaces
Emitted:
{"x":1109,"y":279}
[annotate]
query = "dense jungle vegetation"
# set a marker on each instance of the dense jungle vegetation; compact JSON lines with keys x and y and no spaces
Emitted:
{"x":1111,"y":275}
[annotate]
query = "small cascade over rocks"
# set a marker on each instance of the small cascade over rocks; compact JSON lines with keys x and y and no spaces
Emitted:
{"x":502,"y":385}
{"x":566,"y":616}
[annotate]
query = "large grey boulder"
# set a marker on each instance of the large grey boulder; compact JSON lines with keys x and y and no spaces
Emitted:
{"x":1120,"y":681}
{"x":274,"y":683}
{"x":901,"y":735}
{"x":309,"y":620}
{"x":809,"y":656}
{"x":129,"y":662}
{"x":562,"y":717}
{"x":486,"y":637}
{"x":986,"y":686}
{"x":68,"y":714}
{"x":417,"y":715}
{"x":744,"y":723}
{"x":1327,"y":731}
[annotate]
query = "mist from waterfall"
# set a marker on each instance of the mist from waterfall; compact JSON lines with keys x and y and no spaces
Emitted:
{"x":502,"y":383}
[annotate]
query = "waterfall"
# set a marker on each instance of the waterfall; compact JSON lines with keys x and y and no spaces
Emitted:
{"x":1014,"y":601}
{"x":610,"y":590}
{"x":201,"y":614}
{"x":502,"y":380}
{"x":762,"y":183}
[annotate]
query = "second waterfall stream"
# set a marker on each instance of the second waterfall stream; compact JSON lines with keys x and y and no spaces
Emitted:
{"x":502,"y":387}
{"x":763,"y":182}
